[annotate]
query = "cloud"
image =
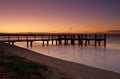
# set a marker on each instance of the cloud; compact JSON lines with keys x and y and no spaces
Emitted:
{"x":117,"y":31}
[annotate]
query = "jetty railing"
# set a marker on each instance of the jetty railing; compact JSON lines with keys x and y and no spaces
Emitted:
{"x":59,"y":38}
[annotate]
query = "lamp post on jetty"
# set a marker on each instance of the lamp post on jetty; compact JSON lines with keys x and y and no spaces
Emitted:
{"x":72,"y":37}
{"x":70,"y":30}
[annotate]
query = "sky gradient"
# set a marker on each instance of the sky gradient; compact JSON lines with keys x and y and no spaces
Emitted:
{"x":59,"y":15}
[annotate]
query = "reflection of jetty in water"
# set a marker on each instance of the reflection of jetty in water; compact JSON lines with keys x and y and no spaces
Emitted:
{"x":60,"y":38}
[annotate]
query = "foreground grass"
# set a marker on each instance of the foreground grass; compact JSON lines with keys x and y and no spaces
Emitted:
{"x":21,"y":66}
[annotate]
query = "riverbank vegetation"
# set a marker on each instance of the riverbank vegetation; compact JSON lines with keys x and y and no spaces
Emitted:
{"x":14,"y":67}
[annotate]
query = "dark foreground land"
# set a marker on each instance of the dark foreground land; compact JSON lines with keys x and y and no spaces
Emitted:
{"x":13,"y":67}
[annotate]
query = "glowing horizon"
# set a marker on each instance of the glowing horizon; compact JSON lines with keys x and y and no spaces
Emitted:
{"x":59,"y":16}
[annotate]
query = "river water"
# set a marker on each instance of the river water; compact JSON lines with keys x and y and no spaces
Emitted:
{"x":104,"y":58}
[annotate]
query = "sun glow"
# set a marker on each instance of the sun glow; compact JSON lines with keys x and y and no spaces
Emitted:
{"x":44,"y":16}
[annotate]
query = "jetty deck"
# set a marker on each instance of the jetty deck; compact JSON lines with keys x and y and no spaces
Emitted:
{"x":60,"y":38}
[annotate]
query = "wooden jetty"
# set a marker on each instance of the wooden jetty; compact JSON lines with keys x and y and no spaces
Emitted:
{"x":59,"y":38}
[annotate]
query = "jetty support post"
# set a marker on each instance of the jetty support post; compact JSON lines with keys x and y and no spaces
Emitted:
{"x":65,"y":41}
{"x":18,"y":36}
{"x":34,"y":37}
{"x":52,"y":39}
{"x":105,"y":40}
{"x":26,"y":37}
{"x":73,"y":39}
{"x":12,"y":42}
{"x":42,"y":37}
{"x":95,"y":40}
{"x":89,"y":39}
{"x":56,"y":42}
{"x":88,"y":42}
{"x":43,"y":42}
{"x":79,"y":40}
{"x":8,"y":37}
{"x":47,"y":42}
{"x":9,"y":42}
{"x":31,"y":43}
{"x":85,"y":39}
{"x":99,"y":41}
{"x":60,"y":40}
{"x":27,"y":44}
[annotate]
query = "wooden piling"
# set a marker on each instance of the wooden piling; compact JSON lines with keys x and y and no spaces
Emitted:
{"x":65,"y":42}
{"x":52,"y":39}
{"x":58,"y":38}
{"x":88,"y":42}
{"x":31,"y":43}
{"x":42,"y":37}
{"x":34,"y":37}
{"x":9,"y":43}
{"x":27,"y":44}
{"x":43,"y":43}
{"x":99,"y":42}
{"x":72,"y":39}
{"x":18,"y":37}
{"x":47,"y":42}
{"x":12,"y":42}
{"x":85,"y":39}
{"x":8,"y":38}
{"x":105,"y":40}
{"x":79,"y":42}
{"x":26,"y":37}
{"x":95,"y":40}
{"x":56,"y":42}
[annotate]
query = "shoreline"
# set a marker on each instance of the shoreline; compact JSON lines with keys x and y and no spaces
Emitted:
{"x":79,"y":70}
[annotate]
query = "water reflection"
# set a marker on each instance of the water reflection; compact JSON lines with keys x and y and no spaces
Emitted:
{"x":107,"y":59}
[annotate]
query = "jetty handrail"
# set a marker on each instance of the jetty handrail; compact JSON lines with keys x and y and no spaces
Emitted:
{"x":58,"y":37}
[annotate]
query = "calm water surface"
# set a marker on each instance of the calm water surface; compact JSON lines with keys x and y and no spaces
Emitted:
{"x":105,"y":58}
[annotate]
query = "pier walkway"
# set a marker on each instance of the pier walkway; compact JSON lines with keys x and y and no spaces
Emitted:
{"x":58,"y":38}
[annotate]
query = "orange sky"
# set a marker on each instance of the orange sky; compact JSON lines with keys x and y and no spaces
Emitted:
{"x":58,"y":16}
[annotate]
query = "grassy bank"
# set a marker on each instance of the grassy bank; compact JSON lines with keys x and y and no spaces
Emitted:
{"x":14,"y":67}
{"x":20,"y":67}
